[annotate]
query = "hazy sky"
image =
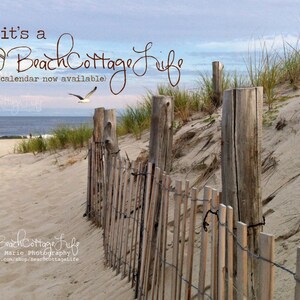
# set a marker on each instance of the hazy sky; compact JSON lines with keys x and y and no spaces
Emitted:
{"x":199,"y":32}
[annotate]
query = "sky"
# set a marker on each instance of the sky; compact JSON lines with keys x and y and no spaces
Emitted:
{"x":186,"y":35}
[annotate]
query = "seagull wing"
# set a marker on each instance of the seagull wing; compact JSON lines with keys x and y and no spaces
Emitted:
{"x":76,"y":96}
{"x":91,"y":93}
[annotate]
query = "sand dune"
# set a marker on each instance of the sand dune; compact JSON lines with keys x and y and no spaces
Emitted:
{"x":45,"y":196}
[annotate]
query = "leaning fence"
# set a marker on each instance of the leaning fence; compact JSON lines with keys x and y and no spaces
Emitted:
{"x":131,"y":215}
{"x":170,"y":240}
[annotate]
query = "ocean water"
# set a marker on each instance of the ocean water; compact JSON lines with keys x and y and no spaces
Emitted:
{"x":16,"y":126}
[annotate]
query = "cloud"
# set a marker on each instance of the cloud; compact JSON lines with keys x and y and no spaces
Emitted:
{"x":245,"y":45}
{"x":169,"y":20}
{"x":199,"y":30}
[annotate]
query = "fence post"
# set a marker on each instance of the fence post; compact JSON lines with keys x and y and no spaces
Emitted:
{"x":99,"y":180}
{"x":161,"y":132}
{"x":160,"y":150}
{"x":112,"y":150}
{"x":98,"y":124}
{"x":217,"y":79}
{"x":297,"y":289}
{"x":110,"y":137}
{"x":241,"y":165}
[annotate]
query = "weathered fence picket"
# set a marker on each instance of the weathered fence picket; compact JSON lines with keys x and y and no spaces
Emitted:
{"x":266,"y":274}
{"x":183,"y":234}
{"x":166,"y":191}
{"x":214,"y":245}
{"x":130,"y":168}
{"x":204,"y":242}
{"x":242,"y":290}
{"x":229,"y":251}
{"x":137,"y":204}
{"x":190,"y":253}
{"x":177,"y":208}
{"x":221,"y":252}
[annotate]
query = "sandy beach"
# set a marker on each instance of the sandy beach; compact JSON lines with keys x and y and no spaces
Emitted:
{"x":7,"y":146}
{"x":43,"y":199}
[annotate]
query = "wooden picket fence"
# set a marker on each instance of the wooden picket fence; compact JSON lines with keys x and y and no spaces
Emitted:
{"x":142,"y":209}
{"x":169,"y":242}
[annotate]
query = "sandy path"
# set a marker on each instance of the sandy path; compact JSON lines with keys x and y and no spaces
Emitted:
{"x":43,"y":197}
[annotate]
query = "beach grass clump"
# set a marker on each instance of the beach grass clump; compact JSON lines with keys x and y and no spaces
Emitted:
{"x":291,"y":64}
{"x":34,"y":145}
{"x":264,"y":69}
{"x":38,"y":145}
{"x":238,"y":80}
{"x":185,"y":102}
{"x":62,"y":133}
{"x":22,"y":147}
{"x":79,"y":137}
{"x":62,"y":137}
{"x":135,"y":119}
{"x":206,"y":95}
{"x":53,"y":143}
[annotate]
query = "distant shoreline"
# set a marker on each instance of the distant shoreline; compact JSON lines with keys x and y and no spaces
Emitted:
{"x":20,"y":137}
{"x":21,"y":127}
{"x":13,"y":137}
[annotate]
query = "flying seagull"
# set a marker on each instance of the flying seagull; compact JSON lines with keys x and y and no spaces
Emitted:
{"x":86,"y":99}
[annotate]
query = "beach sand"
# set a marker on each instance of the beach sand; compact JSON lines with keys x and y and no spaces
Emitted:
{"x":46,"y":196}
{"x":7,"y":146}
{"x":42,"y":198}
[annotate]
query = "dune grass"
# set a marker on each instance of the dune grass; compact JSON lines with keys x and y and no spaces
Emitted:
{"x":291,"y":64}
{"x":135,"y":119}
{"x":265,"y":66}
{"x":206,"y":91}
{"x":185,"y":102}
{"x":62,"y":137}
